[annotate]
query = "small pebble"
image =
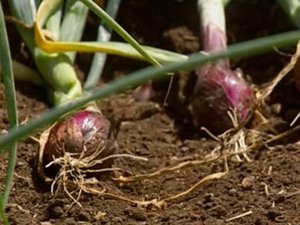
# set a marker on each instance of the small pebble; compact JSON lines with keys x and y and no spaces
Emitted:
{"x":248,"y":182}
{"x":57,"y":211}
{"x":84,"y":216}
{"x":46,"y":223}
{"x":100,"y":215}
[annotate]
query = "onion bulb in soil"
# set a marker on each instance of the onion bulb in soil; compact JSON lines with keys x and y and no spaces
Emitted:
{"x":81,"y":142}
{"x":218,"y":89}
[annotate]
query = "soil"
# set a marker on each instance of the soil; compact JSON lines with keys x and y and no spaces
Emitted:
{"x":263,"y":191}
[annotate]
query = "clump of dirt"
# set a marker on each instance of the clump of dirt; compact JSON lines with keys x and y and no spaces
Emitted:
{"x":262,"y":191}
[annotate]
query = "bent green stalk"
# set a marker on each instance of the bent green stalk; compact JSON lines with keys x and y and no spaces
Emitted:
{"x":48,"y":7}
{"x":7,"y":76}
{"x":122,"y":49}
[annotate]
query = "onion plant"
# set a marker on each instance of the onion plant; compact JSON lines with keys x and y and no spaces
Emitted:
{"x":85,"y":136}
{"x":218,"y":89}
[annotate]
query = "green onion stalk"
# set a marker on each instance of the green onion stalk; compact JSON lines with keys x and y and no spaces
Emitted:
{"x":6,"y":74}
{"x":219,"y":90}
{"x":57,"y":71}
{"x":104,"y":35}
{"x":292,"y":9}
{"x":84,"y":134}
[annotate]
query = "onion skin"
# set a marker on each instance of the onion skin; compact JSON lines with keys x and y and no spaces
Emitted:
{"x":82,"y":133}
{"x":218,"y":90}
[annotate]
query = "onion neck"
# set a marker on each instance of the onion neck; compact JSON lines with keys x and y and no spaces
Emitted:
{"x":212,"y":17}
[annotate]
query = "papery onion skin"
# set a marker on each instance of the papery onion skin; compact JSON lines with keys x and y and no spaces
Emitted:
{"x":83,"y":132}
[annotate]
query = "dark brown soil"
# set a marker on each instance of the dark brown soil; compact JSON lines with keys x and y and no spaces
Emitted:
{"x":267,"y":189}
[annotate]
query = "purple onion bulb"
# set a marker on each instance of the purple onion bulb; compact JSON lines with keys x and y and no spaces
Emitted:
{"x":84,"y":133}
{"x":219,"y":90}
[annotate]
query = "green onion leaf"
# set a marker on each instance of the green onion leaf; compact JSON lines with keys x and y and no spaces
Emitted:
{"x":10,"y":95}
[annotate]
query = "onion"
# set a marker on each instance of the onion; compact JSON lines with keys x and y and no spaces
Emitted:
{"x":218,"y":89}
{"x":85,"y":136}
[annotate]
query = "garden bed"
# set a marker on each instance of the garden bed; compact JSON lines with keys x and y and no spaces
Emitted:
{"x":265,"y":190}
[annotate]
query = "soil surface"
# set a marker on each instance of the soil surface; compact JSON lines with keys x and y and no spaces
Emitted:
{"x":263,"y":191}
